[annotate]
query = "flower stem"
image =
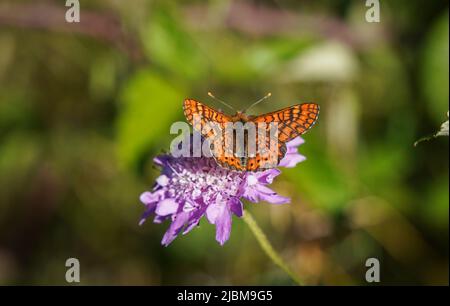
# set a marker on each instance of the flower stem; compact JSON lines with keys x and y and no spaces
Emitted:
{"x":267,"y":247}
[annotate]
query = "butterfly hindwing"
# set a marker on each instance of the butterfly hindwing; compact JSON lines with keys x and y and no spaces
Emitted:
{"x":230,"y":162}
{"x":263,"y":162}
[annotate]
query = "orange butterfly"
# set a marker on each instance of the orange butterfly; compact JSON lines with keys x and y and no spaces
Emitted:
{"x":290,"y":122}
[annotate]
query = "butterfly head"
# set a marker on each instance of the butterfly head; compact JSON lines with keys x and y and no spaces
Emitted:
{"x":240,"y":116}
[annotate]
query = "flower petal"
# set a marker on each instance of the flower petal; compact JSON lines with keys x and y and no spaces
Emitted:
{"x":160,"y":219}
{"x":276,"y":199}
{"x":167,"y":207}
{"x":268,"y":195}
{"x":236,"y":206}
{"x":252,"y":179}
{"x":296,"y":142}
{"x":213,"y":211}
{"x":161,"y":160}
{"x":251,"y":194}
{"x":266,"y":177}
{"x":149,"y":197}
{"x":194,"y":219}
{"x":150,"y":210}
{"x":174,"y":229}
{"x":223,"y":226}
{"x":292,"y":157}
{"x":290,"y":160}
{"x":162,"y":180}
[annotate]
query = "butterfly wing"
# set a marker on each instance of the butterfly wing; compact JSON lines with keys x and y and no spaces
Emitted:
{"x":206,"y":116}
{"x":292,"y":122}
{"x":230,"y":162}
{"x":263,"y":162}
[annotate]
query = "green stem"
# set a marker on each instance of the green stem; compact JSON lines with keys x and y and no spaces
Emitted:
{"x":267,"y":247}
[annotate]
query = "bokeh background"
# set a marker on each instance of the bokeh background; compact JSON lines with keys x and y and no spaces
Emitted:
{"x":84,"y":107}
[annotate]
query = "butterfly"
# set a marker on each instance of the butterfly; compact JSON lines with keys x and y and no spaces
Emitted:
{"x":290,"y":122}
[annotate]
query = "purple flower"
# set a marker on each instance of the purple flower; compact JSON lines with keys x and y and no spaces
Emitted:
{"x":191,"y":187}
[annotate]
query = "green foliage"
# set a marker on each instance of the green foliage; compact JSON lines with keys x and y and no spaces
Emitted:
{"x":435,"y":69}
{"x":172,"y":47}
{"x":148,"y":104}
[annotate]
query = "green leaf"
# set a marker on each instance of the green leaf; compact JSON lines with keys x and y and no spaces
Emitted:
{"x":443,"y":131}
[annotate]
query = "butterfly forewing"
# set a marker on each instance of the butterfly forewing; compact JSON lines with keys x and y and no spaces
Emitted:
{"x":292,"y":121}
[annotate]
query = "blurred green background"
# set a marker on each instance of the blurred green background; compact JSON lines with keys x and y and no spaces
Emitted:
{"x":84,"y":107}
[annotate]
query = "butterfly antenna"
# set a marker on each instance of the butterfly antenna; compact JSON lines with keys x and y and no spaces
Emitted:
{"x":223,"y":102}
{"x":257,"y":102}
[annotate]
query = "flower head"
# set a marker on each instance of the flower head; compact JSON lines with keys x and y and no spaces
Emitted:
{"x":191,"y":187}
